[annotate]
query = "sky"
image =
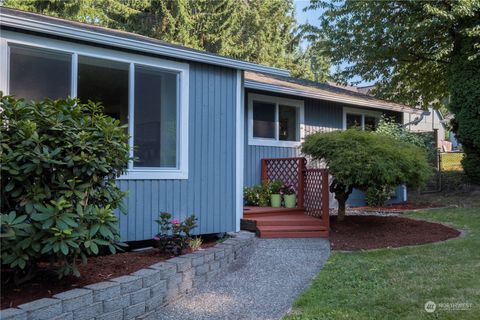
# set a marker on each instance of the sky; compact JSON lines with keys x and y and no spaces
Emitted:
{"x":311,"y":16}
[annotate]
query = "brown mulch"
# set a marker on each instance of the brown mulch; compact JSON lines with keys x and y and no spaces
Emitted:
{"x":100,"y":268}
{"x":372,"y":232}
{"x":399,"y":207}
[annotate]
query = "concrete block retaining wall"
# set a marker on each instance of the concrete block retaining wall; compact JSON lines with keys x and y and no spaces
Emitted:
{"x":141,"y":294}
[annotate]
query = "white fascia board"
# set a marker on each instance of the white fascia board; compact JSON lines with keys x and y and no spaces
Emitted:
{"x":77,"y":33}
{"x":349,"y":100}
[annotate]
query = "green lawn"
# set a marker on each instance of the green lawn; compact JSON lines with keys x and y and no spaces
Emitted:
{"x":396,"y":283}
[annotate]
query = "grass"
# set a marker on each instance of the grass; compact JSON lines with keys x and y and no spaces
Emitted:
{"x":396,"y":283}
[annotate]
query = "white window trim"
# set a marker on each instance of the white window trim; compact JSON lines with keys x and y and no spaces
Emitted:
{"x":255,"y":141}
{"x":361,"y":112}
{"x":181,"y":172}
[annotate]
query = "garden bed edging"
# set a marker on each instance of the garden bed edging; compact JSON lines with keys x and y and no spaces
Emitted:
{"x":142,"y":293}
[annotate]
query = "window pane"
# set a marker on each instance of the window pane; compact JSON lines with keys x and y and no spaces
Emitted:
{"x":371,"y":123}
{"x":354,"y":121}
{"x":263,"y":120}
{"x":104,"y":81}
{"x":36,"y":74}
{"x":288,"y":123}
{"x":155,"y":129}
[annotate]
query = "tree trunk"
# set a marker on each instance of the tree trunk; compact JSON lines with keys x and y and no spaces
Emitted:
{"x":341,"y":209}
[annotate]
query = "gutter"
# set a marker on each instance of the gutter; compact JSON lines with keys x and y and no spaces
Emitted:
{"x":78,"y":33}
{"x":330,"y":97}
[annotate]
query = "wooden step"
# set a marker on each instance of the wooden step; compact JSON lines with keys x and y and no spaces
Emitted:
{"x":287,"y":221}
{"x":293,"y":234}
{"x":268,"y":212}
{"x":289,"y":228}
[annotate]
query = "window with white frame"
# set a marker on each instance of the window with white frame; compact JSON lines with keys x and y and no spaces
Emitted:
{"x":143,"y":92}
{"x":361,"y":119}
{"x":274,"y":121}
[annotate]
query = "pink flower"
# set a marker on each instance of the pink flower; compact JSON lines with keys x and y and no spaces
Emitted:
{"x":156,"y":238}
{"x":175,"y":221}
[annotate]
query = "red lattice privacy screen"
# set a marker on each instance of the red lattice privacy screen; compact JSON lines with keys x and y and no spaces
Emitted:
{"x":311,"y":185}
{"x":289,"y":170}
{"x":316,"y":193}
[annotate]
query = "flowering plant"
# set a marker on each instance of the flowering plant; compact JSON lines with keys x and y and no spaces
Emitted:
{"x":287,"y":189}
{"x":174,"y":235}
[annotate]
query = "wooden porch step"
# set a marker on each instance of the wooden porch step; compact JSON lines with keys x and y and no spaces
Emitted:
{"x":288,"y":228}
{"x":269,"y":211}
{"x":293,"y":234}
{"x":288,"y":221}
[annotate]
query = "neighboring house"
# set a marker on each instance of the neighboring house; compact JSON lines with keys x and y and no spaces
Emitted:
{"x":200,"y":122}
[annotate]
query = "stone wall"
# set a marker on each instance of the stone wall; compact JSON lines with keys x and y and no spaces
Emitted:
{"x":142,"y":293}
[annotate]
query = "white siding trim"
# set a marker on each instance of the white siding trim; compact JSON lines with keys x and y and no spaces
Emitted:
{"x":253,"y":141}
{"x":239,"y":159}
{"x":181,"y":172}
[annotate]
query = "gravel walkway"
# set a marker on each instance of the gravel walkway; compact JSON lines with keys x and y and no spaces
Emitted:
{"x":261,"y":287}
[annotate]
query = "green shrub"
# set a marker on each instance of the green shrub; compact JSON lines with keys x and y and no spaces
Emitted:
{"x":376,"y":196}
{"x":59,"y":163}
{"x":363,"y":160}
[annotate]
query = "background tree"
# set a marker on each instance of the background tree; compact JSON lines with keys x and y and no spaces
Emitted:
{"x":418,"y":52}
{"x":365,"y":161}
{"x":261,"y":31}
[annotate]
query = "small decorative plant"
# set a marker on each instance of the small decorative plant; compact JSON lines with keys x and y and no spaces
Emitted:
{"x":195,"y":243}
{"x":275,"y":196}
{"x":174,"y":236}
{"x":250,"y":196}
{"x":289,"y":196}
{"x":263,"y":194}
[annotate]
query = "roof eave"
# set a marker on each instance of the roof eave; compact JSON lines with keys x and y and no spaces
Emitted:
{"x":77,"y":33}
{"x":349,"y":100}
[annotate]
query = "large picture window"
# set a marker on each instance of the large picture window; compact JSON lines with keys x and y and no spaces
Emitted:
{"x":274,"y":121}
{"x":149,"y":95}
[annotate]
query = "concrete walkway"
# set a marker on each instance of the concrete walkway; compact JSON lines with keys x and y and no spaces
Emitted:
{"x":260,"y":287}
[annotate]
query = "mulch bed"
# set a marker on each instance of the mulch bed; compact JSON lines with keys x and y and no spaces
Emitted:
{"x":400,"y":207}
{"x":100,"y":268}
{"x":372,"y":232}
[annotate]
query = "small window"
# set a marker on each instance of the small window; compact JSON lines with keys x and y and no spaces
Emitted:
{"x":274,"y":121}
{"x":36,"y":74}
{"x":354,"y":121}
{"x":288,"y":121}
{"x":264,"y":120}
{"x":360,"y":119}
{"x":155,"y":129}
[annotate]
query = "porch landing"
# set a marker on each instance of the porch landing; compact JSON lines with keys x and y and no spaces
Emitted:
{"x":270,"y":222}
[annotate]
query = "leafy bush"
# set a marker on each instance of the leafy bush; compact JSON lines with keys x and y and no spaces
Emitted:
{"x":258,"y":195}
{"x":363,"y":160}
{"x":59,"y":163}
{"x":174,"y":236}
{"x":376,"y":196}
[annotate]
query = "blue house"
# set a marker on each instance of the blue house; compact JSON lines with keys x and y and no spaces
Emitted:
{"x":200,"y":122}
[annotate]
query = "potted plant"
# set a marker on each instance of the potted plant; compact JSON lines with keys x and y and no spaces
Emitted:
{"x":275,"y":196}
{"x":289,"y":196}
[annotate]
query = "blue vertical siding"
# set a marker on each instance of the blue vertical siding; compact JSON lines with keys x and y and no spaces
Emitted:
{"x":209,"y":191}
